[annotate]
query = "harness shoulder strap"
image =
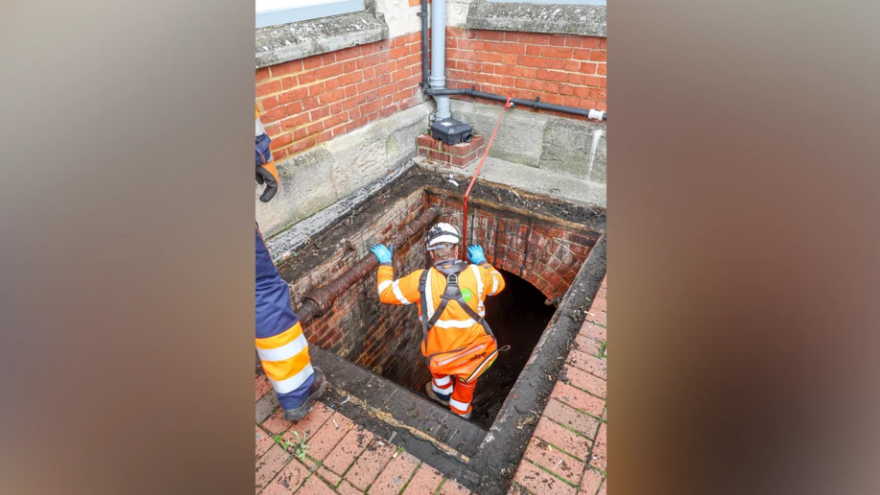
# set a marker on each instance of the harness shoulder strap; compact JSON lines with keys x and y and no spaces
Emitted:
{"x":452,"y":292}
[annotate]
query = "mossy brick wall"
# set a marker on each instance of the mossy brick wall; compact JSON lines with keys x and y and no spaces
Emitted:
{"x":380,"y":337}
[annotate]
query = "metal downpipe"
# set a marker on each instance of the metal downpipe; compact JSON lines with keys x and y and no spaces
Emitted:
{"x":438,"y":57}
{"x":424,"y":15}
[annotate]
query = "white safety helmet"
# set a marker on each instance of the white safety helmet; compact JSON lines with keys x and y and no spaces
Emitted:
{"x":442,"y":233}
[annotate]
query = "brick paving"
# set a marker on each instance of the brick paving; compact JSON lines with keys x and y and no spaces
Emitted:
{"x":567,"y":454}
{"x":341,"y":458}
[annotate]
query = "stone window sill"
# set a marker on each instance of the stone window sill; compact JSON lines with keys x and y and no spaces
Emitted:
{"x":278,"y":44}
{"x":584,"y":20}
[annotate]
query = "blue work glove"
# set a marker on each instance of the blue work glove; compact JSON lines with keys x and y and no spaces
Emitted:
{"x":383,"y":254}
{"x":475,"y":254}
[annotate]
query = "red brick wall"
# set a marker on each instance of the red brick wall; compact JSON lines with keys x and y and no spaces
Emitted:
{"x":379,"y":337}
{"x":561,"y":69}
{"x":305,"y":102}
{"x":545,"y":255}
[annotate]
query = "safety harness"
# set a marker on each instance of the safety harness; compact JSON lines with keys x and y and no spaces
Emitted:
{"x":462,"y":361}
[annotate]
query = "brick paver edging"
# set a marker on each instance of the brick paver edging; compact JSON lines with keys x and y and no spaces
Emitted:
{"x":567,"y":454}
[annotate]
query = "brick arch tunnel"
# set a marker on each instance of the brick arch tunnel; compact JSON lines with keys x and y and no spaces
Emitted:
{"x":539,"y":262}
{"x":536,"y":250}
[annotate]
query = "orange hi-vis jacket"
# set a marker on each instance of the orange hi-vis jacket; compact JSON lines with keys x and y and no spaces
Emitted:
{"x":455,"y":328}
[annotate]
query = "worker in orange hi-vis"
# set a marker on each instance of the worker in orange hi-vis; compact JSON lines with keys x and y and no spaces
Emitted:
{"x":457,"y":342}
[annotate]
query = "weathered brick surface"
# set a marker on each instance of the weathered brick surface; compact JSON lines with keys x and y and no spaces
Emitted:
{"x":538,"y":481}
{"x":395,"y":475}
{"x":305,"y":102}
{"x":262,"y":440}
{"x":541,"y":253}
{"x":583,"y":380}
{"x":593,"y":332}
{"x":560,"y":464}
{"x":426,"y":480}
{"x":588,"y":346}
{"x":314,"y":486}
{"x":330,"y":477}
{"x":562,"y":438}
{"x":370,"y":464}
{"x":571,"y":418}
{"x":269,"y":465}
{"x":309,"y":426}
{"x":590,"y":483}
{"x":358,"y":327}
{"x":345,"y":488}
{"x":261,"y":387}
{"x":598,"y":317}
{"x":453,"y":488}
{"x":600,"y":449}
{"x":288,"y":480}
{"x":578,"y":399}
{"x":349,"y":448}
{"x":459,"y":155}
{"x":276,"y":424}
{"x":328,"y":436}
{"x":590,"y":364}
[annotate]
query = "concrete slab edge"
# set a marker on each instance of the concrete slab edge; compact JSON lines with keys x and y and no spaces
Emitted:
{"x":283,"y":243}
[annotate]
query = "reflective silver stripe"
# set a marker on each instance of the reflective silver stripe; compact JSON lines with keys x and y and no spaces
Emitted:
{"x":442,"y":381}
{"x":384,"y":285}
{"x":479,"y":277}
{"x":259,"y":129}
{"x":480,"y":367}
{"x":455,"y":323}
{"x":461,"y":406}
{"x":292,"y":383}
{"x":445,"y":390}
{"x":284,"y":352}
{"x":429,"y":298}
{"x":398,"y":294}
{"x":495,"y":282}
{"x":459,"y":355}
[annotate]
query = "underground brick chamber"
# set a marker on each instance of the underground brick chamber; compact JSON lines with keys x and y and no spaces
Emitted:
{"x":539,"y":256}
{"x":538,"y":243}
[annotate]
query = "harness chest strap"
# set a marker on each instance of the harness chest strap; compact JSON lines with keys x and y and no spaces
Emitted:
{"x":452,"y":292}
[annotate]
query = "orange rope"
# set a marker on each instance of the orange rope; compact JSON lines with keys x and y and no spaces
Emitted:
{"x":467,"y":193}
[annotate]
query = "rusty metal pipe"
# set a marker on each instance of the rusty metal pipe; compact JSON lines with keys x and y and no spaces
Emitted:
{"x":320,"y":300}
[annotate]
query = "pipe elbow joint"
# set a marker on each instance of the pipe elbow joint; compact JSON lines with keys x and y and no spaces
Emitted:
{"x":597,"y":115}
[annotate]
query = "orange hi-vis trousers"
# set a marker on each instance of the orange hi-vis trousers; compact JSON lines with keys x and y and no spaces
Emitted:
{"x":459,"y":393}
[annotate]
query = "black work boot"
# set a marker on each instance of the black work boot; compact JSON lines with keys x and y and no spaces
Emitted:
{"x":316,"y":391}
{"x":430,"y":391}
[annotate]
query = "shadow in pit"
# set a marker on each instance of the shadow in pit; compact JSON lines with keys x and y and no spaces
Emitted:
{"x":518,"y":316}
